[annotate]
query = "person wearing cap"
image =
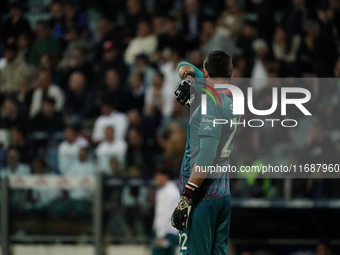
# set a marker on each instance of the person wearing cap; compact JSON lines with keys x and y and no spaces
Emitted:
{"x":167,"y":195}
{"x":14,"y":71}
{"x":111,"y":58}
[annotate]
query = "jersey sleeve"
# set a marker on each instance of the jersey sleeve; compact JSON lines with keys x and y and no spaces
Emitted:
{"x":198,"y":73}
{"x":208,"y":125}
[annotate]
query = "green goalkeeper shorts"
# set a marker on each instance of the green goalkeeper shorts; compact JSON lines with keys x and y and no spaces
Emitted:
{"x":207,"y":231}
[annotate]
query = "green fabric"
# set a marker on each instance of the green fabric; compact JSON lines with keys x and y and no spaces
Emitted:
{"x":198,"y":73}
{"x":202,"y":126}
{"x":208,"y":149}
{"x":208,"y":228}
{"x":170,"y":250}
{"x":49,"y":45}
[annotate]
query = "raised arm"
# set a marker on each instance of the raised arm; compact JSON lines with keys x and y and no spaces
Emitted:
{"x":188,"y":73}
{"x":187,"y":67}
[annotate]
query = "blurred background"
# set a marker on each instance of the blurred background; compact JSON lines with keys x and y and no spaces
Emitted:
{"x":86,"y":89}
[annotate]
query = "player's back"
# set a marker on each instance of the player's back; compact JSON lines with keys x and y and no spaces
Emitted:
{"x":216,"y":185}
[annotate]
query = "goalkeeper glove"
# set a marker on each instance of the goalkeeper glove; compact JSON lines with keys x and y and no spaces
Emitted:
{"x":183,"y":90}
{"x":180,"y":216}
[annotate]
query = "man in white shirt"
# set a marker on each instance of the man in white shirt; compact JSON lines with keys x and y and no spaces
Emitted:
{"x":84,"y":166}
{"x":111,"y":148}
{"x":171,"y":81}
{"x":46,"y":89}
{"x":259,"y":73}
{"x":109,"y":118}
{"x":18,"y":198}
{"x":154,"y":98}
{"x":78,"y":202}
{"x":144,"y":42}
{"x":166,"y":237}
{"x":14,"y":167}
{"x":69,"y":149}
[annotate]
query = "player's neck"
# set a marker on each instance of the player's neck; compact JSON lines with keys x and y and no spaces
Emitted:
{"x":213,"y":81}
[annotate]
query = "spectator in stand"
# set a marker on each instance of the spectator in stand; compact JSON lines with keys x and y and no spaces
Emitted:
{"x":19,"y":142}
{"x":45,"y":88}
{"x":70,"y":19}
{"x":48,"y":119}
{"x":165,"y":236}
{"x":79,"y":100}
{"x":106,"y":32}
{"x":171,"y":81}
{"x":316,"y":54}
{"x":48,"y":63}
{"x":330,"y":113}
{"x":144,"y":42}
{"x":24,"y":44}
{"x":112,"y":91}
{"x":232,"y":19}
{"x":85,"y":164}
{"x":175,"y":147}
{"x":135,"y":119}
{"x":24,"y":96}
{"x":68,"y":150}
{"x":77,"y":201}
{"x":110,"y":59}
{"x":294,"y":18}
{"x":245,"y":42}
{"x":180,"y":116}
{"x":134,"y":14}
{"x":42,"y":198}
{"x":285,"y":50}
{"x":158,"y":23}
{"x":11,"y":116}
{"x":109,"y":117}
{"x":323,"y":248}
{"x":192,"y":22}
{"x":154,"y":99}
{"x":14,"y":166}
{"x":134,"y":98}
{"x":111,"y":148}
{"x":77,"y":63}
{"x":15,"y":25}
{"x":171,"y":40}
{"x":196,"y":58}
{"x":45,"y":43}
{"x":138,"y":153}
{"x":259,"y":72}
{"x":57,"y":11}
{"x":75,"y":38}
{"x":143,"y":66}
{"x":212,"y":39}
{"x":14,"y":71}
{"x":319,"y":148}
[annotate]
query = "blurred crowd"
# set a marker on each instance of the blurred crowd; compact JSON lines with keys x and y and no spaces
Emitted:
{"x":83,"y":94}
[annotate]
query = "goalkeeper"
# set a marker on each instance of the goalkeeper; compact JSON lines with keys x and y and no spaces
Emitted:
{"x":203,"y":212}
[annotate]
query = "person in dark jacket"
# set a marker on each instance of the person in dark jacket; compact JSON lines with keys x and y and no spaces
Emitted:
{"x":48,"y":119}
{"x":79,"y":99}
{"x":15,"y":25}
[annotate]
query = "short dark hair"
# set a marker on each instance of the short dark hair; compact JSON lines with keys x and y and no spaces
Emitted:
{"x":108,"y":102}
{"x":163,"y":171}
{"x":16,"y":5}
{"x":49,"y":100}
{"x":74,"y":127}
{"x":158,"y":72}
{"x":218,"y":64}
{"x":11,"y":47}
